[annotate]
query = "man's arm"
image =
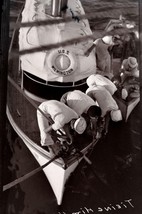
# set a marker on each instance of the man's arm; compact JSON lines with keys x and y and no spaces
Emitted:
{"x":64,"y":98}
{"x":89,"y":50}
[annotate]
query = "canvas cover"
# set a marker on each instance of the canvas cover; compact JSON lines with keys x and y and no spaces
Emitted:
{"x":41,"y":64}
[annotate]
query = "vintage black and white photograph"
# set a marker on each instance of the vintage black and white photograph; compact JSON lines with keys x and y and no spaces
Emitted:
{"x":70,"y":107}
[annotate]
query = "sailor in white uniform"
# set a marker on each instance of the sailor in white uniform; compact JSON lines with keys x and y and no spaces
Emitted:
{"x":55,"y":115}
{"x":83,"y":105}
{"x":99,"y":80}
{"x":101,"y":90}
{"x":79,"y":102}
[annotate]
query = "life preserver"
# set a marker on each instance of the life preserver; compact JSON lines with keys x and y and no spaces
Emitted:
{"x":61,"y":62}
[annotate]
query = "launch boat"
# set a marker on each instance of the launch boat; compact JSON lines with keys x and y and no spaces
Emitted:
{"x":50,"y":62}
{"x":40,"y":73}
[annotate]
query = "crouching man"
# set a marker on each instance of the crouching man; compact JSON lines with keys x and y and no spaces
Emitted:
{"x":55,"y":116}
{"x":101,"y":91}
{"x":83,"y":105}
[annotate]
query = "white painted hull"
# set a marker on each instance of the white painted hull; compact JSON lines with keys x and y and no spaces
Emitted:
{"x":56,"y":172}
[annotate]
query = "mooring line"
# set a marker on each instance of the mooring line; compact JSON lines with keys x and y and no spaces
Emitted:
{"x":29,"y":174}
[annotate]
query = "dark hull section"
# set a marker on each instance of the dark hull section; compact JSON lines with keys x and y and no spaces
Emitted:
{"x":50,"y":90}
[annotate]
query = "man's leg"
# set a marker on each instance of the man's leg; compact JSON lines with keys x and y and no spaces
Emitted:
{"x":68,"y":133}
{"x":94,"y":126}
{"x":43,"y":124}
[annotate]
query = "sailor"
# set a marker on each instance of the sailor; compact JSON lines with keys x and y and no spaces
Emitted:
{"x":129,"y":78}
{"x":83,"y":105}
{"x":103,"y":95}
{"x":130,"y":66}
{"x":97,"y":79}
{"x":103,"y":58}
{"x":55,"y":116}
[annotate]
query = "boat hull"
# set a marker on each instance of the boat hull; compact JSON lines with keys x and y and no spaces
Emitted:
{"x":40,"y":90}
{"x":57,"y":172}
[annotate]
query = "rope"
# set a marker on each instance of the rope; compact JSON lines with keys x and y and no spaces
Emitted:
{"x":46,"y":22}
{"x":28,"y":175}
{"x":94,"y":36}
{"x":69,"y":19}
{"x":43,"y":48}
{"x":94,"y":142}
{"x":53,"y":46}
{"x":85,"y":157}
{"x":33,"y":172}
{"x":65,"y":43}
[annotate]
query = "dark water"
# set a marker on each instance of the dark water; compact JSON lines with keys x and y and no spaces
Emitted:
{"x":115,"y":178}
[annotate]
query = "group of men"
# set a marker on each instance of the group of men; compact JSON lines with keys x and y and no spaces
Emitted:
{"x":79,"y":112}
{"x":129,"y":72}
